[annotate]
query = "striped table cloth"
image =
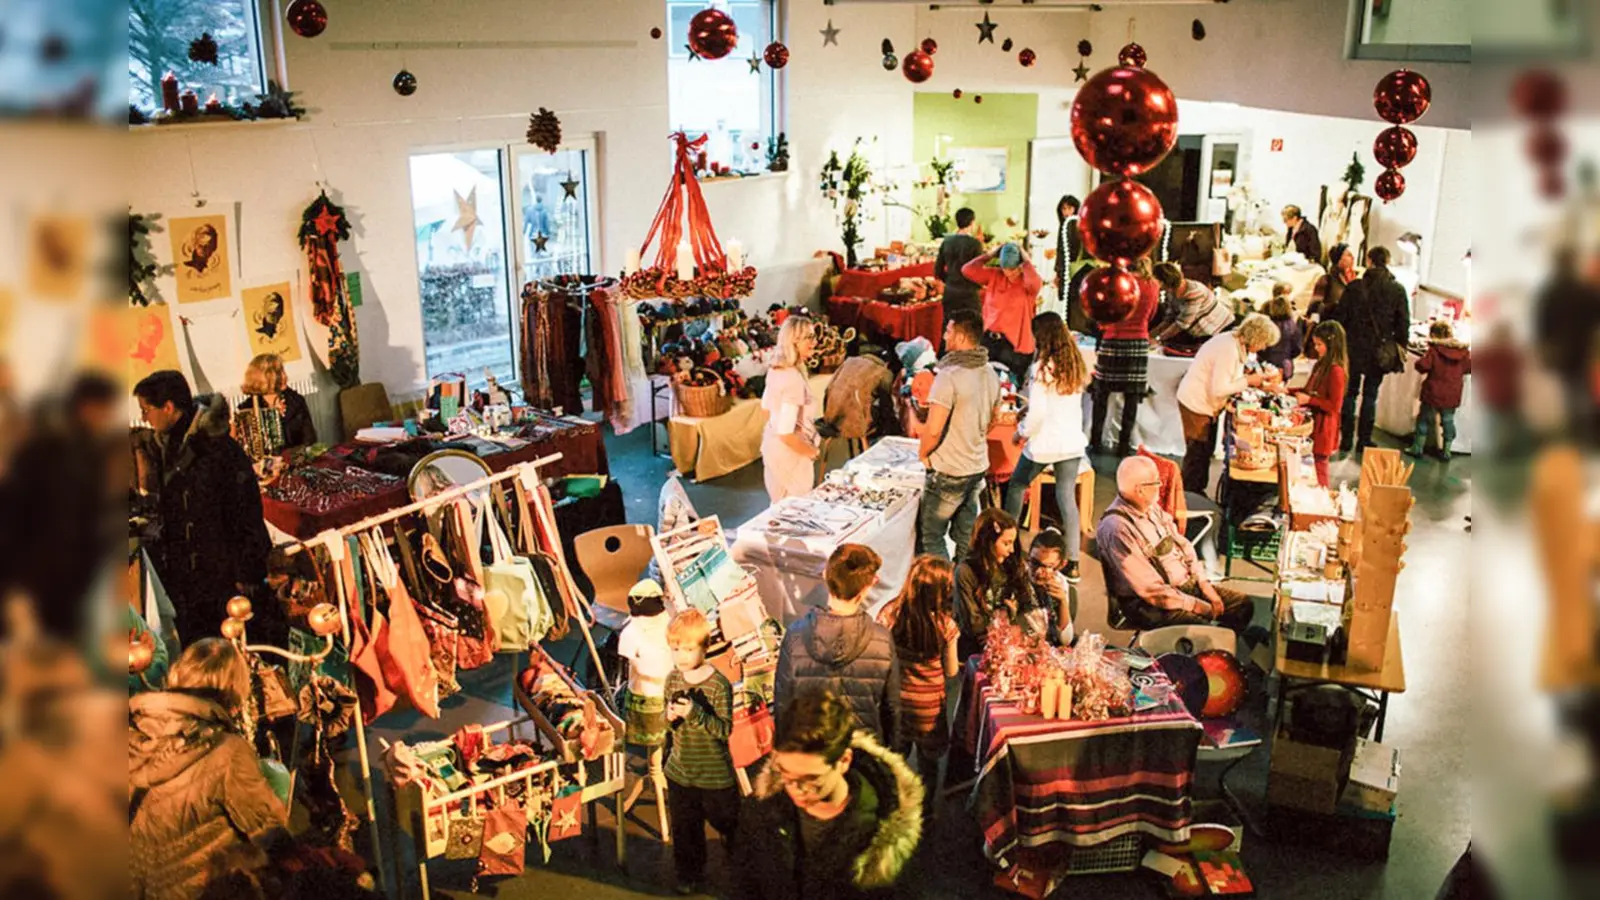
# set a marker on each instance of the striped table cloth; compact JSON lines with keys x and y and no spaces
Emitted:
{"x":1044,"y":781}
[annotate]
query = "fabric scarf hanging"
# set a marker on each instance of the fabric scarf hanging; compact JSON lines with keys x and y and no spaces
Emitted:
{"x":617,"y":397}
{"x":551,"y":362}
{"x":322,"y":226}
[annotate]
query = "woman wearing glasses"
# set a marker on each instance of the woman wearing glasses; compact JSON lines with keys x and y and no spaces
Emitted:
{"x":834,"y":814}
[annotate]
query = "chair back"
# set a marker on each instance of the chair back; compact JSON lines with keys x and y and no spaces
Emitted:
{"x":614,"y":558}
{"x":1172,"y":499}
{"x":1199,"y":638}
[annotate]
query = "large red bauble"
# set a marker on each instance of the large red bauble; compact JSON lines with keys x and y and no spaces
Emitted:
{"x":1110,"y":294}
{"x":917,"y":67}
{"x":776,"y":55}
{"x":1120,"y":221}
{"x":1027,"y":58}
{"x":1402,"y":96}
{"x":1539,"y":94}
{"x":1394,"y":147}
{"x":1225,"y":681}
{"x":1131,"y":56}
{"x":1546,"y":146}
{"x":712,"y":34}
{"x":1124,"y":121}
{"x":307,"y":18}
{"x":1389,"y":185}
{"x":1553,"y":183}
{"x":930,"y":46}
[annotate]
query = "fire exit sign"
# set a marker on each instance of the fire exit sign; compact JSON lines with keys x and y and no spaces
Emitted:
{"x":1277,"y":145}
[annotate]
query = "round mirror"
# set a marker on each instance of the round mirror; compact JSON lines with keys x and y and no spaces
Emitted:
{"x":439,"y":472}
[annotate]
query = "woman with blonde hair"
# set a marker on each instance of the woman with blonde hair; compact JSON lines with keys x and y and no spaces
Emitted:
{"x":197,"y":794}
{"x":1053,"y":428}
{"x":1216,"y":376}
{"x":266,"y":385}
{"x":789,"y":442}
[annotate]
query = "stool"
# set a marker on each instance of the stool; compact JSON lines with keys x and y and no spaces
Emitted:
{"x":1083,"y":489}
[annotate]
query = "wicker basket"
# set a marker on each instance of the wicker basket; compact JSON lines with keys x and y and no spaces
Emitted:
{"x":1008,"y":418}
{"x":703,"y":401}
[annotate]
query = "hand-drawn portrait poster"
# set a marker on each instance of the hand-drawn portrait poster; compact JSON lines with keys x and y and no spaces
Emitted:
{"x":152,"y":342}
{"x":269,"y":321}
{"x":201,"y":257}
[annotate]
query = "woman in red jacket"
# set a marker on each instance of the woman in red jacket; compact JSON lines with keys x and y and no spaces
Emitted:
{"x":1324,"y":392}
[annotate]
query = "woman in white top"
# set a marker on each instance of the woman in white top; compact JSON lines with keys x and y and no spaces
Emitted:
{"x":789,"y":442}
{"x":1052,"y":430}
{"x":1215,"y":377}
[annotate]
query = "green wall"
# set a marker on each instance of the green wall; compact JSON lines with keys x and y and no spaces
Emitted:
{"x":1001,"y":120}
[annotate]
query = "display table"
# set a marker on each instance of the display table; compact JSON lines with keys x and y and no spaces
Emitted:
{"x":790,"y":570}
{"x":1158,"y":427}
{"x":1047,"y":781}
{"x":1254,"y":280}
{"x":900,"y":322}
{"x":708,"y":448}
{"x":866,"y":283}
{"x":1377,"y":686}
{"x":1400,"y":396}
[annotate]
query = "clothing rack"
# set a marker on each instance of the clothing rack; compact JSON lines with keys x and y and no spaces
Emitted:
{"x":333,"y":541}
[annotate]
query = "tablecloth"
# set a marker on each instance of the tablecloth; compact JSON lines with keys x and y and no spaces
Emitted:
{"x":1400,"y":396}
{"x":1255,"y":280}
{"x":1044,"y":781}
{"x":708,"y":448}
{"x":902,"y":323}
{"x":1158,"y":425}
{"x":866,"y":283}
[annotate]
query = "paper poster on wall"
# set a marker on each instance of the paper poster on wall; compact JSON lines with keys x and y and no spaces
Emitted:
{"x":152,"y":341}
{"x":202,"y":257}
{"x":269,"y":321}
{"x":58,"y":253}
{"x":980,"y":170}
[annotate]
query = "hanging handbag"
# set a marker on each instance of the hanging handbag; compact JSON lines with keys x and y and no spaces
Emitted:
{"x":376,"y":697}
{"x":512,"y":593}
{"x":753,"y":732}
{"x":566,"y":815}
{"x":466,"y":836}
{"x":505,"y":841}
{"x":462,"y":594}
{"x":553,"y":589}
{"x":1391,"y":354}
{"x":403,"y":647}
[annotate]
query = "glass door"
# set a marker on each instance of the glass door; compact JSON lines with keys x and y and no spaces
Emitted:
{"x":555,"y":197}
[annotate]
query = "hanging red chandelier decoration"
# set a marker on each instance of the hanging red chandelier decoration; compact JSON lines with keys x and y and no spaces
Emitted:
{"x":711,"y":275}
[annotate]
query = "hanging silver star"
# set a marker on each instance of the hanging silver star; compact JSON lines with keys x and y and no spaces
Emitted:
{"x":830,"y":35}
{"x":1081,"y":73}
{"x":755,"y":63}
{"x":571,"y":187}
{"x":986,"y":29}
{"x":539,"y":240}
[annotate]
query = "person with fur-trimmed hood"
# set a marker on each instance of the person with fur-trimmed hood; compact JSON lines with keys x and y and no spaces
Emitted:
{"x":833,"y":815}
{"x":213,"y":542}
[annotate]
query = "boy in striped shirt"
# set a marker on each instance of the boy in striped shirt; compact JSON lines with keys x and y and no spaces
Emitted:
{"x":700,"y":780}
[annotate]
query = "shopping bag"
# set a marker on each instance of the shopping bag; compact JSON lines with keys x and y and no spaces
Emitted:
{"x":511,"y":592}
{"x":466,"y":836}
{"x":505,"y":841}
{"x":752,"y":735}
{"x":566,"y":816}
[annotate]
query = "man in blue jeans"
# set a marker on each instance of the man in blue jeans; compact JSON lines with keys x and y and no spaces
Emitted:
{"x":955,"y":441}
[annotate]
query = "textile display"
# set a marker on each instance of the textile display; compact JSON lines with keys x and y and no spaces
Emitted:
{"x":322,"y":226}
{"x":902,"y":323}
{"x":1080,"y":783}
{"x":571,"y":326}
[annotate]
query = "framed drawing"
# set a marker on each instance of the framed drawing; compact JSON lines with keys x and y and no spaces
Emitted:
{"x":269,"y":320}
{"x":202,"y":257}
{"x":980,"y":170}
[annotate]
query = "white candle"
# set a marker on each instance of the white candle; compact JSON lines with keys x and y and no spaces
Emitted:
{"x":685,"y":262}
{"x":632,"y":264}
{"x":735,"y":255}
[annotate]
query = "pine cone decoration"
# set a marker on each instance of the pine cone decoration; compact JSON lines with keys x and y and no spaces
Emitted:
{"x":203,"y":49}
{"x":544,"y":130}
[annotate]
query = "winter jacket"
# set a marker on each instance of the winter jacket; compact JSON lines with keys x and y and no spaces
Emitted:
{"x":213,"y":536}
{"x":868,"y":847}
{"x":853,"y":657}
{"x":1447,"y":365}
{"x":1327,"y":406}
{"x":196,"y":793}
{"x":1373,"y":310}
{"x":858,"y":385}
{"x":1290,"y":342}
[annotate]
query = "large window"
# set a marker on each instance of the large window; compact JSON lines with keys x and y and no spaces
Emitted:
{"x":735,"y":107}
{"x":159,"y":34}
{"x":489,"y":220}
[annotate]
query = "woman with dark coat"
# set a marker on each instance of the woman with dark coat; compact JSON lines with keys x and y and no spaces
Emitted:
{"x":1372,"y":311}
{"x":833,"y":816}
{"x":267,"y":384}
{"x":1329,"y":289}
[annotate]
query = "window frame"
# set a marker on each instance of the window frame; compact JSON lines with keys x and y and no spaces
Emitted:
{"x":1356,"y":47}
{"x":271,"y":57}
{"x":774,"y":105}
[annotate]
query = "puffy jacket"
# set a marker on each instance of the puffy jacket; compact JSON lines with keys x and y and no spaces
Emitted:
{"x":196,"y":793}
{"x":1447,"y":365}
{"x":867,"y":850}
{"x":1372,"y":310}
{"x":853,"y":657}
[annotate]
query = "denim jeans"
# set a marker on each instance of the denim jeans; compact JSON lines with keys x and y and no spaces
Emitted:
{"x":949,"y":506}
{"x":1427,"y":431}
{"x":1066,"y":495}
{"x":1366,"y":386}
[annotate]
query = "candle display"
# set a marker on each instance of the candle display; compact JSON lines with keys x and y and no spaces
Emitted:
{"x":189,"y":102}
{"x":213,"y":105}
{"x":632,"y":264}
{"x":685,"y":262}
{"x":169,"y":92}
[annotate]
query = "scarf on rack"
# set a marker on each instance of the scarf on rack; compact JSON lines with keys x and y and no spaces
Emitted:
{"x":976,"y":358}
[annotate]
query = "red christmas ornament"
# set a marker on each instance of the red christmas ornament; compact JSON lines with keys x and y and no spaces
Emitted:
{"x":1120,"y":221}
{"x":917,"y":67}
{"x":776,"y":55}
{"x":307,"y":18}
{"x":1539,"y":94}
{"x":1402,"y":96}
{"x":1546,"y":146}
{"x":1027,"y":58}
{"x":1110,"y":294}
{"x":1124,"y":121}
{"x":956,"y":93}
{"x":712,"y":34}
{"x":1394,"y":147}
{"x":930,"y":46}
{"x":1131,"y":56}
{"x":1552,"y":183}
{"x":977,"y":98}
{"x":1390,"y":185}
{"x":655,"y":34}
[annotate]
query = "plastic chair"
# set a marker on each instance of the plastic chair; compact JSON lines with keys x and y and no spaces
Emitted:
{"x":1200,"y":638}
{"x":613,"y":559}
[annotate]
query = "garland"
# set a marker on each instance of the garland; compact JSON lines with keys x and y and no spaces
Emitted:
{"x":646,"y":284}
{"x":322,"y":226}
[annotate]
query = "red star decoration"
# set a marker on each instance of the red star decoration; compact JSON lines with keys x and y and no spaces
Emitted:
{"x":327,"y":223}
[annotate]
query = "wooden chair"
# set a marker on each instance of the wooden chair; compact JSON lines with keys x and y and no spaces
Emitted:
{"x":1084,"y":491}
{"x":613,"y":558}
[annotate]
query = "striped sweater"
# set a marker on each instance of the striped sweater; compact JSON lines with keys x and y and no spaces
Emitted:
{"x":700,"y":757}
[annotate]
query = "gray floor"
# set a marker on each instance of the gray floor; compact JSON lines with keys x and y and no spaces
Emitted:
{"x":1424,"y":723}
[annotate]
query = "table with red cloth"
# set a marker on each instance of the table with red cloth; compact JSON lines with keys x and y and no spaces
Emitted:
{"x":582,"y":450}
{"x":1077,"y":783}
{"x":854,"y":303}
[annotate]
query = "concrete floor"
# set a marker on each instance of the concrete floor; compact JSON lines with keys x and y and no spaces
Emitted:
{"x":1424,"y":723}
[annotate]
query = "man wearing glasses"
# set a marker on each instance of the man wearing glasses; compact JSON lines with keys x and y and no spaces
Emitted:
{"x":1153,"y":575}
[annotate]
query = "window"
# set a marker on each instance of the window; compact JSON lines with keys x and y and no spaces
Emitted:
{"x":1411,"y":31}
{"x":481,"y":216}
{"x":736,"y":108}
{"x":159,"y":33}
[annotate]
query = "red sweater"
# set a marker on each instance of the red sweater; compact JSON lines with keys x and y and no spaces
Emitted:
{"x":1008,"y":306}
{"x":1137,"y":326}
{"x":1326,"y":403}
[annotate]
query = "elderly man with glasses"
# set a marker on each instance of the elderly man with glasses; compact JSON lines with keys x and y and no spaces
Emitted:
{"x":1153,"y":575}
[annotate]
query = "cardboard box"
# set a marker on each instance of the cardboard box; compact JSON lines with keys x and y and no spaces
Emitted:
{"x":1374,"y":777}
{"x":1304,"y":776}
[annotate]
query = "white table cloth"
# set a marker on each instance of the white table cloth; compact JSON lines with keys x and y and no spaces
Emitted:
{"x":1157,"y":425}
{"x":1400,"y":396}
